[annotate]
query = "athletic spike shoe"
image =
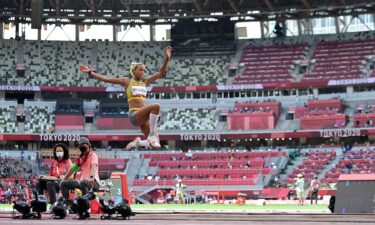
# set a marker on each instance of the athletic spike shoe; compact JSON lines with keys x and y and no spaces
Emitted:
{"x":154,"y":142}
{"x":133,"y":144}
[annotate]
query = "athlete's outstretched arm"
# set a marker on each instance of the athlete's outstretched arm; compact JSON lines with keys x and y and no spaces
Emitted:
{"x":112,"y":80}
{"x":163,"y":68}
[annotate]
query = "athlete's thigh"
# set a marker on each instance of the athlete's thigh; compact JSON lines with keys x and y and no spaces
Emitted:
{"x":143,"y":114}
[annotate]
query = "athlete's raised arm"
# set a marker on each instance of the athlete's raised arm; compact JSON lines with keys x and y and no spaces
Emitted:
{"x":122,"y":81}
{"x":163,"y":68}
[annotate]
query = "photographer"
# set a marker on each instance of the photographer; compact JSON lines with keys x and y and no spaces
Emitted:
{"x":87,"y":162}
{"x":59,"y":166}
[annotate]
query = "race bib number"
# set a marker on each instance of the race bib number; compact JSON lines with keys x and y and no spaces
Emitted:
{"x":139,"y":91}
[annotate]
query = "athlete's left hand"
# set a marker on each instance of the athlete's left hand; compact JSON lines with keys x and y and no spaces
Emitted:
{"x":84,"y":68}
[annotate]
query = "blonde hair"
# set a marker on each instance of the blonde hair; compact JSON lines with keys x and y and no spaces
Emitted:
{"x":133,"y":66}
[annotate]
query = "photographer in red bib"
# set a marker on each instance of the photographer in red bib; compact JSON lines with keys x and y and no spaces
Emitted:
{"x":87,"y":163}
{"x":59,"y":166}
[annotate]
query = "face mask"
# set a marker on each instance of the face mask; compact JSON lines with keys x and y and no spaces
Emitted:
{"x":82,"y":149}
{"x":59,"y":154}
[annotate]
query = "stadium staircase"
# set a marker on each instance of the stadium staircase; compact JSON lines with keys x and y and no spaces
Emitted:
{"x":291,"y":166}
{"x":283,"y":124}
{"x":308,"y":56}
{"x":94,"y":55}
{"x":222,"y":126}
{"x":236,"y":58}
{"x":20,"y":52}
{"x":21,"y":127}
{"x":281,"y":121}
{"x":88,"y":128}
{"x":280,"y":162}
{"x":349,"y":111}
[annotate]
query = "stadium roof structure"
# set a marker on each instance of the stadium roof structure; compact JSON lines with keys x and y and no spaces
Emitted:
{"x":169,"y":11}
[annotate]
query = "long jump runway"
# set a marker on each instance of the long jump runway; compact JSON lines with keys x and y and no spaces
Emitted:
{"x":206,"y":218}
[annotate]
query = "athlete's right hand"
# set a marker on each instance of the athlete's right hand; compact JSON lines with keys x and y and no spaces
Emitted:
{"x":84,"y":68}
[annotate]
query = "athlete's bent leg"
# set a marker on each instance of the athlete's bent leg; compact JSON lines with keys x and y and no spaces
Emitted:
{"x":147,"y":118}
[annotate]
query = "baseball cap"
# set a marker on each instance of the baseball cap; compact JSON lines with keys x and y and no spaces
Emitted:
{"x":299,"y":175}
{"x":83,"y":140}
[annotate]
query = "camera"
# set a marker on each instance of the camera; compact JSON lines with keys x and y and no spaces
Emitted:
{"x":32,"y":211}
{"x":22,"y":207}
{"x":81,"y":205}
{"x":124,"y":210}
{"x":108,"y":209}
{"x":59,"y":209}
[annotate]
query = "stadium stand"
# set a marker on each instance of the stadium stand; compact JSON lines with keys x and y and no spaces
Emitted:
{"x":189,"y":119}
{"x":55,"y":63}
{"x":15,"y":168}
{"x":196,"y":182}
{"x":40,"y":117}
{"x":247,"y":115}
{"x":112,"y":164}
{"x":17,"y":176}
{"x":356,"y":161}
{"x":51,"y":62}
{"x":364,"y":116}
{"x":238,"y":168}
{"x":322,"y":114}
{"x":18,"y":187}
{"x":271,"y":63}
{"x":192,"y":71}
{"x":8,"y":117}
{"x":340,"y":59}
{"x":205,"y":49}
{"x":115,"y":58}
{"x":8,"y":55}
{"x":315,"y":163}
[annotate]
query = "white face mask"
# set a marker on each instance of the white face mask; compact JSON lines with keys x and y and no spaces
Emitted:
{"x":59,"y":154}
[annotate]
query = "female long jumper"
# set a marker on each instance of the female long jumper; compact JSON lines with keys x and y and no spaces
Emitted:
{"x":141,"y":115}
